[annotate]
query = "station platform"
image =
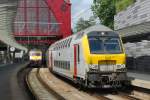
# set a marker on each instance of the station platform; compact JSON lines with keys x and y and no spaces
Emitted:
{"x":139,"y":79}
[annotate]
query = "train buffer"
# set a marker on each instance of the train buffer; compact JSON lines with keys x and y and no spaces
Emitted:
{"x":140,"y":79}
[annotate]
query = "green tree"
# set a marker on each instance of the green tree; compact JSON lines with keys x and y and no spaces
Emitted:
{"x":105,"y":11}
{"x":83,"y":24}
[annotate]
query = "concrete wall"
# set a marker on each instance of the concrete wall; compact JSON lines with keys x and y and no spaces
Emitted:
{"x":137,"y":13}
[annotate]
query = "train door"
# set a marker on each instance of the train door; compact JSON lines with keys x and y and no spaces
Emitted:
{"x":76,"y":59}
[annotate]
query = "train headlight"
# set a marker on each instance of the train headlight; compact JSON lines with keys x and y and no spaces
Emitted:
{"x":120,"y":66}
{"x":95,"y":67}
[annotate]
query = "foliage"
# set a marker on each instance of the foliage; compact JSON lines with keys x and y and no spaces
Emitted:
{"x":123,"y":4}
{"x":105,"y":11}
{"x":83,"y":24}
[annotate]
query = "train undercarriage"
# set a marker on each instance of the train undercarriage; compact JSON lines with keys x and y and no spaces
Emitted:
{"x":104,"y":80}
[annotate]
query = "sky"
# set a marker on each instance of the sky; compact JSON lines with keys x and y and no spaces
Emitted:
{"x":80,"y":8}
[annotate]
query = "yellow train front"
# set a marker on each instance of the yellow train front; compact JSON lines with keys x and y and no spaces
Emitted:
{"x":35,"y":57}
{"x":105,"y":58}
{"x":93,"y":58}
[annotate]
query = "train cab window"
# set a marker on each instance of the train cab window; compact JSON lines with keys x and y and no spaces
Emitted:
{"x":104,"y":42}
{"x":95,"y":45}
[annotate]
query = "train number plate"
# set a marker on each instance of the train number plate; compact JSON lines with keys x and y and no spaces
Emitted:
{"x":107,"y":62}
{"x":106,"y":68}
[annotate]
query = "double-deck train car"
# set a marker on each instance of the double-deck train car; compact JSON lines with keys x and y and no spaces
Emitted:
{"x":94,"y":57}
{"x":35,"y":57}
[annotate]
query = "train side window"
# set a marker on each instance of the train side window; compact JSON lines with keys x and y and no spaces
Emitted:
{"x":63,"y":65}
{"x":69,"y":42}
{"x":62,"y":44}
{"x":69,"y":65}
{"x":59,"y":64}
{"x":56,"y":46}
{"x":59,"y":46}
{"x":66,"y":65}
{"x":65,"y":43}
{"x":55,"y":63}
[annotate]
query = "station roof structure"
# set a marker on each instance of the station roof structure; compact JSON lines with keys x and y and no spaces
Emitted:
{"x":42,"y":22}
{"x":7,"y":14}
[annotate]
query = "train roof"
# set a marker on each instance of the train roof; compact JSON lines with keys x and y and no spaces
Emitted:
{"x":96,"y":28}
{"x":86,"y":31}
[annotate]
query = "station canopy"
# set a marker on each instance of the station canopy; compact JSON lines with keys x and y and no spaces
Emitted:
{"x":7,"y":14}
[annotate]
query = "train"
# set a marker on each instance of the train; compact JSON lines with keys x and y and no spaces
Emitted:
{"x":94,"y":57}
{"x":35,"y":58}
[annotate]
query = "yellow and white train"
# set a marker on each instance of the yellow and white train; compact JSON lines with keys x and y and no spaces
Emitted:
{"x":35,"y":57}
{"x":94,"y":57}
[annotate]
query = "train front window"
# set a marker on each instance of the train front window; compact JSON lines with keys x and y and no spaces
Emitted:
{"x":36,"y":54}
{"x":100,"y":45}
{"x":96,"y":45}
{"x":112,"y":45}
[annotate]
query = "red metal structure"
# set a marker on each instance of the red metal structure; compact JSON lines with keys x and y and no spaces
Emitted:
{"x":42,"y":21}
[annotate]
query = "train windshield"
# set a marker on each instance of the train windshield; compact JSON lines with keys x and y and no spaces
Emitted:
{"x":105,"y":45}
{"x":36,"y":54}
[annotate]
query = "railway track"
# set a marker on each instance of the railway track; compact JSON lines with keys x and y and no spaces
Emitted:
{"x":46,"y":90}
{"x":127,"y":96}
{"x":21,"y":78}
{"x":37,"y":88}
